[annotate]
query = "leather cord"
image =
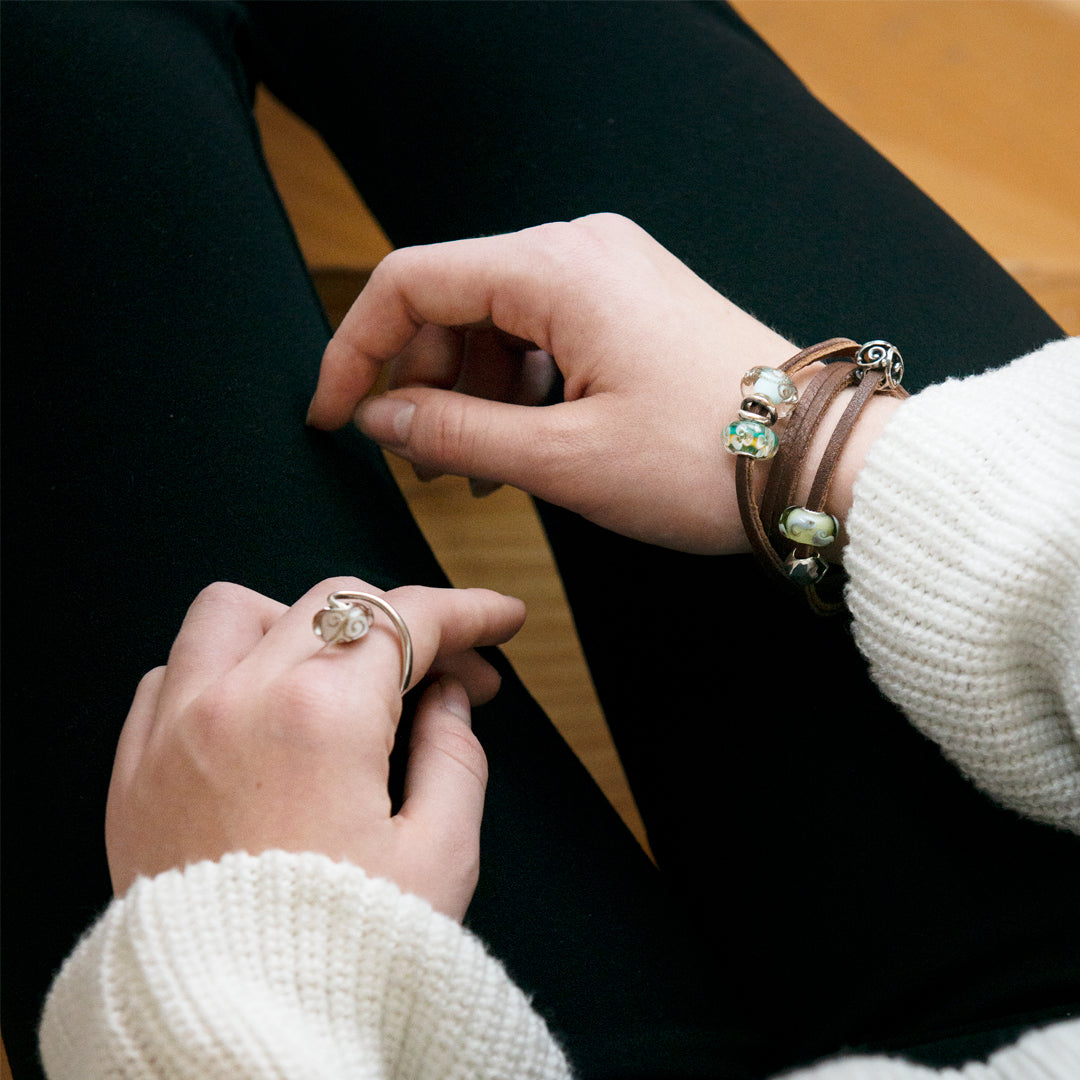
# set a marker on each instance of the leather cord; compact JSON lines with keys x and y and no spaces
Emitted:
{"x":766,"y":554}
{"x":789,"y":461}
{"x":833,"y":349}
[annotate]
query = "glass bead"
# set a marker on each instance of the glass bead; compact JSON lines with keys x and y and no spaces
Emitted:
{"x":813,"y":527}
{"x":751,"y":438}
{"x":773,"y":385}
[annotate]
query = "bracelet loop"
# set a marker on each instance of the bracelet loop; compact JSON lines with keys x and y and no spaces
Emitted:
{"x":873,"y":367}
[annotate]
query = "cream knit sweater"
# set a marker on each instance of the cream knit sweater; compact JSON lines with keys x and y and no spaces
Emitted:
{"x":966,"y":606}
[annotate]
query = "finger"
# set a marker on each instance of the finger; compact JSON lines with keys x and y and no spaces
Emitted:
{"x":292,"y":638}
{"x":447,"y":766}
{"x":222,"y":626}
{"x":549,"y":452}
{"x":138,"y":726}
{"x":499,"y":367}
{"x":505,"y":279}
{"x":432,"y":358}
{"x":569,"y":272}
{"x":481,"y":362}
{"x":445,"y":783}
{"x":480,"y":679}
{"x":536,"y":378}
{"x":442,"y":622}
{"x":447,"y":624}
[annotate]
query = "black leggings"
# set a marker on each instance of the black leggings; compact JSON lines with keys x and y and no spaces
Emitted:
{"x":826,"y":880}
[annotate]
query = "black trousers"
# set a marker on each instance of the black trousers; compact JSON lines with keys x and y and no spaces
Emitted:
{"x":826,"y":880}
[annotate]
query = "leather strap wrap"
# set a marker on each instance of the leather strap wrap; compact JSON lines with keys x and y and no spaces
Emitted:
{"x":762,"y":525}
{"x":787,"y":465}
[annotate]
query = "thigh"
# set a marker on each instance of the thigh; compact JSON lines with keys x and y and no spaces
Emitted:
{"x":161,"y":339}
{"x":459,"y":119}
{"x":866,"y":889}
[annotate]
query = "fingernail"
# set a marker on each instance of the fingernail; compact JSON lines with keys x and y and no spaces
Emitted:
{"x":482,"y":488}
{"x":455,"y":700}
{"x":425,"y":473}
{"x":386,"y":420}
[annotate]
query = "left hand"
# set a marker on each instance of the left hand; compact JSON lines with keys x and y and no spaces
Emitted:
{"x":650,"y":355}
{"x":257,"y":736}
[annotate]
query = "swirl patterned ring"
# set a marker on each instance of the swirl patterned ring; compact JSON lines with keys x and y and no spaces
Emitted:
{"x":348,"y":617}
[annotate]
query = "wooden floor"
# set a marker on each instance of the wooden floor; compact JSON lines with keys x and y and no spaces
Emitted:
{"x":978,"y":101}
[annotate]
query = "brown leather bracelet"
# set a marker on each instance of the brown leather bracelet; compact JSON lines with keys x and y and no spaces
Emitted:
{"x":790,"y":459}
{"x":833,"y":349}
{"x":819,"y":490}
{"x":878,"y":366}
{"x":803,"y":556}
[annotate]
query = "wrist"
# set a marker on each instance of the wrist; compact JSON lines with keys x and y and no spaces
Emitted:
{"x":872,"y":421}
{"x":763,"y":468}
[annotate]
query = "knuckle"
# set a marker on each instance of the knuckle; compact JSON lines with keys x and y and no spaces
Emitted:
{"x":587,"y":238}
{"x":301,"y":711}
{"x":607,"y":224}
{"x":396,"y":261}
{"x":569,"y":241}
{"x":392,"y":265}
{"x":152,"y":678}
{"x":213,"y":713}
{"x":344,"y":583}
{"x":222,"y":593}
{"x":297,"y":696}
{"x":461,"y":746}
{"x":448,"y":432}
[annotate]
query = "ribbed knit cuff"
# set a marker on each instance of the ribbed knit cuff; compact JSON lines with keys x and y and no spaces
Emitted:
{"x":963,"y":564}
{"x":1051,"y":1053}
{"x":285,"y":965}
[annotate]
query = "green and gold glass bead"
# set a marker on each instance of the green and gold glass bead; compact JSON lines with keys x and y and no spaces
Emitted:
{"x":751,"y":438}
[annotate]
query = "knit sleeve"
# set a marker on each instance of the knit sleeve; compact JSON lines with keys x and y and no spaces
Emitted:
{"x":963,"y":560}
{"x":285,"y":965}
{"x":1050,"y":1053}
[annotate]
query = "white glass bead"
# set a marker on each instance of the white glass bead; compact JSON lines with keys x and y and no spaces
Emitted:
{"x":773,"y":385}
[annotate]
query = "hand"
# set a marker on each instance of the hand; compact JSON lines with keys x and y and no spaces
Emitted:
{"x":257,"y":736}
{"x":651,"y":357}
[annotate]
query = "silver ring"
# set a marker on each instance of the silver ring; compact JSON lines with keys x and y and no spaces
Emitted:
{"x":348,"y":617}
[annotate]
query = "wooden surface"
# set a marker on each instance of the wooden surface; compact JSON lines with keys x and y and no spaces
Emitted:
{"x":978,"y":101}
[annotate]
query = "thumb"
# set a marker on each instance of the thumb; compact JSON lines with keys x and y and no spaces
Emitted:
{"x":533,"y":448}
{"x":445,"y":782}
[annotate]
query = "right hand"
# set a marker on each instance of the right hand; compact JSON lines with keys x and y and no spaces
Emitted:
{"x":258,"y":736}
{"x":651,"y":357}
